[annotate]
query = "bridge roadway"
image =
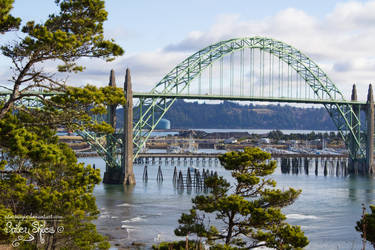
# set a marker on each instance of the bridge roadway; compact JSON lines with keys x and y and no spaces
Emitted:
{"x":244,"y":98}
{"x":31,"y":94}
{"x":215,"y":155}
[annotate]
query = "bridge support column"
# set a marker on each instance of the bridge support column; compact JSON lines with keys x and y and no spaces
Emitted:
{"x":354,"y":161}
{"x":370,"y":131}
{"x":127,"y":162}
{"x":112,"y":175}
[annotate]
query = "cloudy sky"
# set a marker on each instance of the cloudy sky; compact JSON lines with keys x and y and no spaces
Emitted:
{"x":156,"y":35}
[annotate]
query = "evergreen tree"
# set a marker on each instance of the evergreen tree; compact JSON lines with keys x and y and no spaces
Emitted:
{"x":366,"y":226}
{"x":74,"y":33}
{"x":40,"y":175}
{"x":7,"y":21}
{"x":246,"y":214}
{"x":43,"y":178}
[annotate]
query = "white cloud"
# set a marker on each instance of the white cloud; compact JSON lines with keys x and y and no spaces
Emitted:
{"x":146,"y":69}
{"x":341,"y":43}
{"x":149,"y":68}
{"x":353,"y":15}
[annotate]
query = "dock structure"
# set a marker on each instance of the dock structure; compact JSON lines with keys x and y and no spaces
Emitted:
{"x":212,"y":159}
{"x":322,"y":167}
{"x":327,"y":165}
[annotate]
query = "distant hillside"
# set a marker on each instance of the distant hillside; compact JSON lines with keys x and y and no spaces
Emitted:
{"x":234,"y":115}
{"x":185,"y":115}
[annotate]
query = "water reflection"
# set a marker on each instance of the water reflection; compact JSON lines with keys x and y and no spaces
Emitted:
{"x":128,"y":190}
{"x":361,"y":187}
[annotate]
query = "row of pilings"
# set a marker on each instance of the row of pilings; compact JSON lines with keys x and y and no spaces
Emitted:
{"x":193,"y":179}
{"x":288,"y":165}
{"x":196,"y":161}
{"x":327,"y":167}
{"x":159,"y":175}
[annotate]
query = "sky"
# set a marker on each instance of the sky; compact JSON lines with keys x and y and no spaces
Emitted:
{"x":156,"y":35}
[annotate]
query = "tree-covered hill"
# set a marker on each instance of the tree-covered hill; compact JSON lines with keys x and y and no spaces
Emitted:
{"x":187,"y":115}
{"x":234,"y":115}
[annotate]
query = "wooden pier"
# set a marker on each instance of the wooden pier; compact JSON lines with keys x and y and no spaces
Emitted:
{"x":216,"y":155}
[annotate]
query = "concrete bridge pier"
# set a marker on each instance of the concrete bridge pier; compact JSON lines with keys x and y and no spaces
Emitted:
{"x":370,"y":132}
{"x":127,"y":161}
{"x":112,"y":175}
{"x":358,"y":165}
{"x":353,"y":147}
{"x":125,"y":174}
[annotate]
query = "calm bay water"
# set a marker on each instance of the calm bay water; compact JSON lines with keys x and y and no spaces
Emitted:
{"x":327,"y":209}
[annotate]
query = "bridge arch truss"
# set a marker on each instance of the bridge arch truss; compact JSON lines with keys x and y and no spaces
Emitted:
{"x":178,"y":81}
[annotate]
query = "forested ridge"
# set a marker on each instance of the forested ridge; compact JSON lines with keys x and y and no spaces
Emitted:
{"x":184,"y":115}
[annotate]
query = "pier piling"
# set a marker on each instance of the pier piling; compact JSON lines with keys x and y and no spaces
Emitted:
{"x":145,"y":174}
{"x":159,"y":177}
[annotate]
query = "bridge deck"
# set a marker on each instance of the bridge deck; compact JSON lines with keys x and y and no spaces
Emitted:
{"x":243,"y":98}
{"x":212,"y":97}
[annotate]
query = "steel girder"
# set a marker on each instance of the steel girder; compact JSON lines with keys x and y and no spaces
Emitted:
{"x":180,"y":77}
{"x":99,"y":143}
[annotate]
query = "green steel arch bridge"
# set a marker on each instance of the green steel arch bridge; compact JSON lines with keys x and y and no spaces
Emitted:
{"x":243,"y":69}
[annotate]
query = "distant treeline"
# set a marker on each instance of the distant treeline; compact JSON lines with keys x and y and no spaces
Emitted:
{"x":230,"y":115}
{"x":233,"y":115}
{"x":279,"y":135}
